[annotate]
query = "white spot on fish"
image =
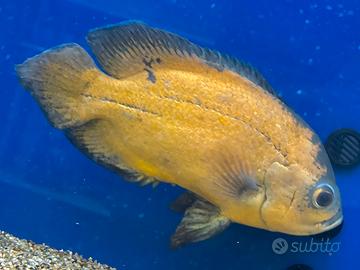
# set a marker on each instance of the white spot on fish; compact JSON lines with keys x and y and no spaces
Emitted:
{"x":167,"y":83}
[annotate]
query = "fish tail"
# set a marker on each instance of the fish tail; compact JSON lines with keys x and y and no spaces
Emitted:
{"x":58,"y":78}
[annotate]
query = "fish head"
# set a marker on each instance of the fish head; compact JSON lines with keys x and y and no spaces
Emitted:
{"x":300,"y":202}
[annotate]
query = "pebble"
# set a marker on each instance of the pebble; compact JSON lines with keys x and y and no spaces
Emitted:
{"x":21,"y":254}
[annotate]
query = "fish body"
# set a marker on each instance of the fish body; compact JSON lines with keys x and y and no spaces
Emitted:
{"x":166,"y":110}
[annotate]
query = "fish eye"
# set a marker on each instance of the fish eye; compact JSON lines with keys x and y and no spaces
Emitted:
{"x":323,"y":196}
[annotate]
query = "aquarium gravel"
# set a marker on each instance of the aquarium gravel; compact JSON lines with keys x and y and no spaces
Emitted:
{"x":17,"y":253}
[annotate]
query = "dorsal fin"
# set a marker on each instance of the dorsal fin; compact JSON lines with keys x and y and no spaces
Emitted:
{"x":123,"y":49}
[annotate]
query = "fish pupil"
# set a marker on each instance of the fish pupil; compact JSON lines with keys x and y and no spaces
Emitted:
{"x":324,"y":198}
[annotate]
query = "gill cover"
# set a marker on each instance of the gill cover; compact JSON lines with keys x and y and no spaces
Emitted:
{"x":298,"y":204}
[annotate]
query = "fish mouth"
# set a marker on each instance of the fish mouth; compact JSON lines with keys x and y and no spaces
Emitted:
{"x":333,"y":222}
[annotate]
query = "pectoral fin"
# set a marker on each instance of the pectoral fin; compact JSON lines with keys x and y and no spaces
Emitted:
{"x":201,"y":221}
{"x":235,"y":177}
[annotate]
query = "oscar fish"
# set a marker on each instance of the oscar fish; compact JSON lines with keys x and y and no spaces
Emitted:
{"x":162,"y":109}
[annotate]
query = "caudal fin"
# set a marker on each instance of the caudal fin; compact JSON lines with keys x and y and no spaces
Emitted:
{"x":57,"y":78}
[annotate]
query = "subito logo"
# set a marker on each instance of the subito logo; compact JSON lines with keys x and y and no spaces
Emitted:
{"x":280,"y":246}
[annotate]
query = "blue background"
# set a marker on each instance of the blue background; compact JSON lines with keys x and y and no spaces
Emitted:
{"x":51,"y":193}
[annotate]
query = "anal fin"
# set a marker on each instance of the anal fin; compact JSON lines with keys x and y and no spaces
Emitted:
{"x":94,"y":138}
{"x":201,"y":221}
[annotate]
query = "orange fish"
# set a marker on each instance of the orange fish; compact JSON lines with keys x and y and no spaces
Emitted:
{"x":167,"y":110}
